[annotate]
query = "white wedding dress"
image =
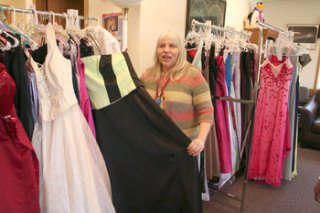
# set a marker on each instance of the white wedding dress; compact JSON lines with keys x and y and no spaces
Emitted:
{"x":73,"y":174}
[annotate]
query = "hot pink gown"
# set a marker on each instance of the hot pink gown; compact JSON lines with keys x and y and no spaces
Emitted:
{"x":271,"y":135}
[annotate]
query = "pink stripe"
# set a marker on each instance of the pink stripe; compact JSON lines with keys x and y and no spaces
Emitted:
{"x":181,"y":116}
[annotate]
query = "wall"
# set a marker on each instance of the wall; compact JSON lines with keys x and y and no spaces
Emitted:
{"x":281,"y":13}
{"x":95,"y":8}
{"x":236,"y":12}
{"x":15,"y":3}
{"x":20,"y":17}
{"x":147,"y":21}
{"x":156,"y":17}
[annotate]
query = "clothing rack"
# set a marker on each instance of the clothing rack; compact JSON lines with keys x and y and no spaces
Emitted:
{"x":243,"y":35}
{"x":228,"y":98}
{"x":49,"y":13}
{"x":262,"y":24}
{"x":265,"y":25}
{"x":256,"y":85}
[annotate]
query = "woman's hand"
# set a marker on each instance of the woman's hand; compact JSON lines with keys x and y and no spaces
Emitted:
{"x":195,"y":147}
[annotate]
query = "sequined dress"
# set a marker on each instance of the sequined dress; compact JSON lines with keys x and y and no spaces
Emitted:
{"x":271,"y":135}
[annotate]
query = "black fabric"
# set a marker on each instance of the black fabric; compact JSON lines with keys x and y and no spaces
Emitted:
{"x":213,"y":72}
{"x":133,"y":74}
{"x":109,"y":78}
{"x":39,"y":56}
{"x":75,"y":80}
{"x":203,"y":58}
{"x":14,"y":60}
{"x":295,"y":128}
{"x":145,"y":153}
{"x":85,"y":49}
{"x":246,"y":86}
{"x":304,"y":59}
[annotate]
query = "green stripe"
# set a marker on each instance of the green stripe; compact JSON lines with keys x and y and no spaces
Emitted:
{"x":96,"y":85}
{"x":187,"y":124}
{"x":204,"y":105}
{"x":176,"y":106}
{"x":121,"y":70}
{"x":200,"y":89}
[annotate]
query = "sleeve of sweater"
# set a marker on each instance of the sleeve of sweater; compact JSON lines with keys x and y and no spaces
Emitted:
{"x":201,"y":98}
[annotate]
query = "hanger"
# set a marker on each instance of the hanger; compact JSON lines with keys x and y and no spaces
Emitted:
{"x":4,"y":43}
{"x":192,"y":38}
{"x":60,"y":32}
{"x":25,"y":38}
{"x":88,"y":33}
{"x":10,"y":38}
{"x":285,"y":43}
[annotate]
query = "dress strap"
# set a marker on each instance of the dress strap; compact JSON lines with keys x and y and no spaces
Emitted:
{"x":50,"y":37}
{"x":289,"y":51}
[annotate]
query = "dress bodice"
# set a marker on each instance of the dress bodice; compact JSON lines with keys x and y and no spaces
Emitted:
{"x":54,"y":79}
{"x":276,"y":73}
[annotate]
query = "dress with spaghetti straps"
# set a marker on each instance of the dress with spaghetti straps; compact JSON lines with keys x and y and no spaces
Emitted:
{"x":73,"y":174}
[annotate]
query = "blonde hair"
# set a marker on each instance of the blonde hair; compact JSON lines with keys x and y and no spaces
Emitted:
{"x":154,"y":72}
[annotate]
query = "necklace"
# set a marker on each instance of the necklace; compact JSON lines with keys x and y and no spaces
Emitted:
{"x":160,"y":90}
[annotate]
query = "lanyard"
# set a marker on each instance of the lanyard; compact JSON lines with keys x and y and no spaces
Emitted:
{"x":160,"y":90}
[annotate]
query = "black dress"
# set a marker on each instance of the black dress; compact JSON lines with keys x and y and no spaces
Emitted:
{"x":145,"y":152}
{"x":14,"y":60}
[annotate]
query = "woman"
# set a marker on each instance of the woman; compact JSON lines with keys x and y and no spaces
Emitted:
{"x":180,"y":90}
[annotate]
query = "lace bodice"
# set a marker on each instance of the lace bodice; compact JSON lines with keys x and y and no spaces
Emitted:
{"x":275,"y":73}
{"x":54,"y":79}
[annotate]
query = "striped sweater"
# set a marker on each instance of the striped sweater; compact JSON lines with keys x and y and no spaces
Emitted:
{"x":186,"y":101}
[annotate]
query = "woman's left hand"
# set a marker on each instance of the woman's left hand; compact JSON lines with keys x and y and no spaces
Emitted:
{"x":195,"y":147}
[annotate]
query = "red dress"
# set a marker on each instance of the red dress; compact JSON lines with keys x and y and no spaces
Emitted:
{"x":271,"y":136}
{"x":222,"y":121}
{"x":19,"y":167}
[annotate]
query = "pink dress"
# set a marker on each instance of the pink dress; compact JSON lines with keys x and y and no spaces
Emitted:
{"x":84,"y":96}
{"x":271,"y":136}
{"x":222,"y":121}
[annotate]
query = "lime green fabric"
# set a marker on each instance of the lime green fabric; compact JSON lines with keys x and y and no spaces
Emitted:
{"x":95,"y":82}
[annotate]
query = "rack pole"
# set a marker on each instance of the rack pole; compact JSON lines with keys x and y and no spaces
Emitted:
{"x":259,"y":63}
{"x":220,"y":28}
{"x":255,"y":96}
{"x":262,"y":24}
{"x":241,"y":198}
{"x":31,"y":11}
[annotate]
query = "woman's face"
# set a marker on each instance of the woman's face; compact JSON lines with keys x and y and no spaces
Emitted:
{"x":167,"y":53}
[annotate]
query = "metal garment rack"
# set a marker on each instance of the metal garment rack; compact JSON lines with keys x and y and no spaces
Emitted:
{"x":249,"y":130}
{"x":49,"y":13}
{"x":261,"y":26}
{"x":222,"y":29}
{"x":246,"y":35}
{"x":268,"y":26}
